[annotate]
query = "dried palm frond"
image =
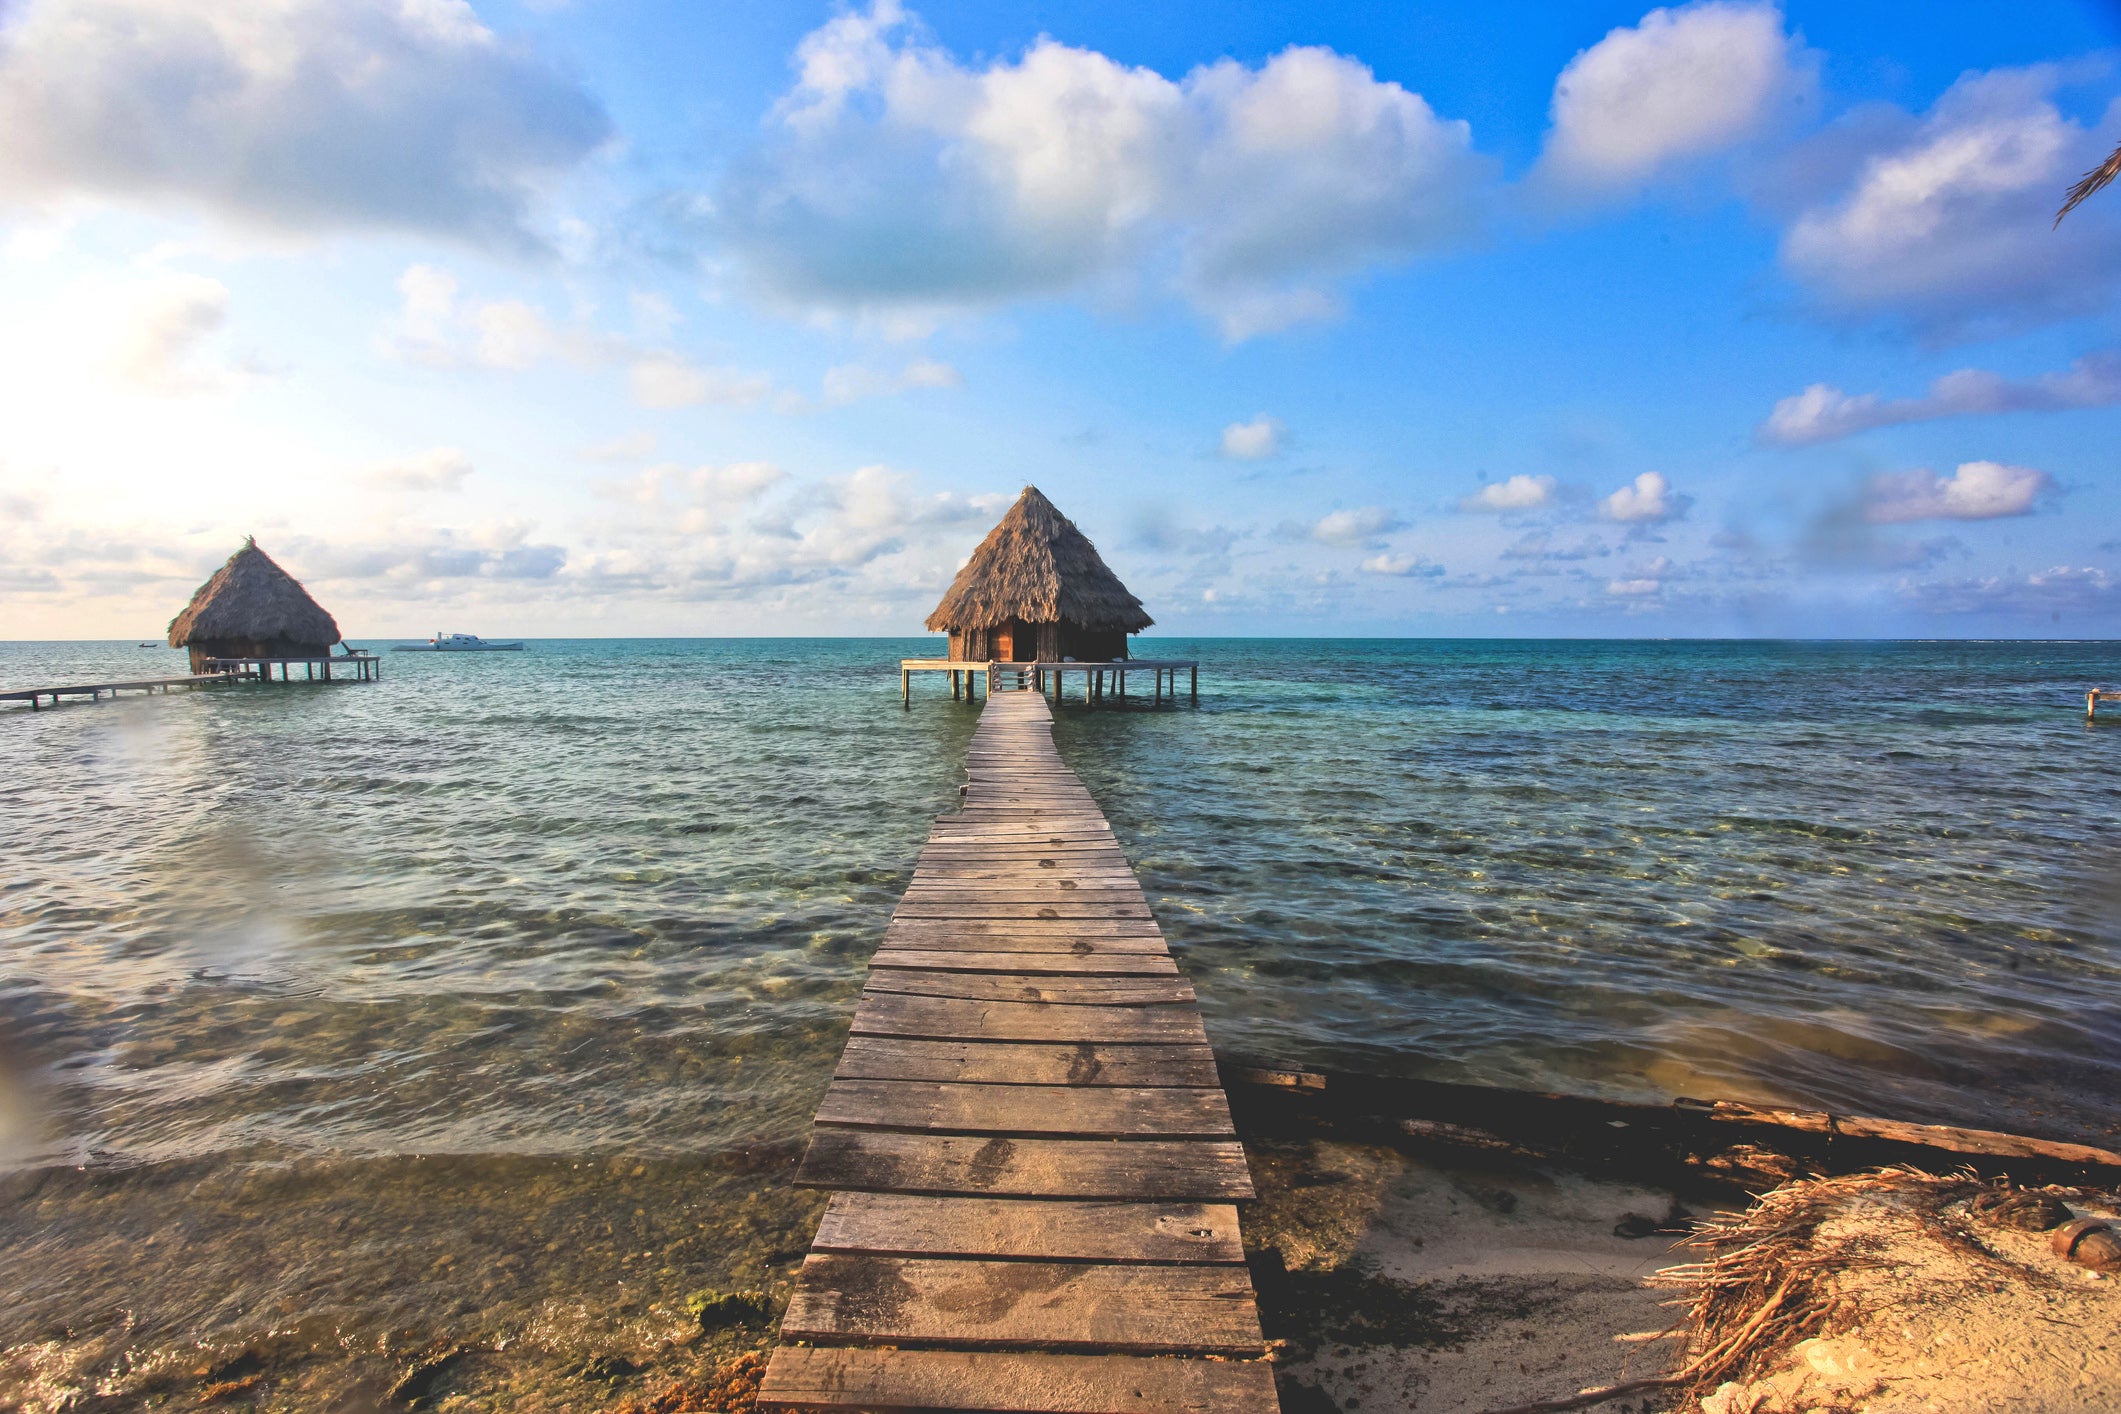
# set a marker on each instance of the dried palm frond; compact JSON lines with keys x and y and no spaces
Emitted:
{"x":1037,"y":567}
{"x":252,"y":598}
{"x":2097,"y":178}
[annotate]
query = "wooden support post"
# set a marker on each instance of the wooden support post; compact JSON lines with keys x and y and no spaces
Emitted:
{"x":1159,"y":687}
{"x":905,"y":687}
{"x":1196,"y":684}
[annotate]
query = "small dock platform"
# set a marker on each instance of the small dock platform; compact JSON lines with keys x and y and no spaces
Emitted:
{"x":2097,"y":695}
{"x":365,"y":666}
{"x":1101,"y":680}
{"x":35,"y":696}
{"x":1033,"y":1165}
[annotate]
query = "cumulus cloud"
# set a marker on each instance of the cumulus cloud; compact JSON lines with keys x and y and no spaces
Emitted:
{"x":299,"y":115}
{"x":503,"y":552}
{"x":1518,"y":493}
{"x":853,"y":382}
{"x":1540,"y":546}
{"x":1402,"y":566}
{"x":1682,"y":84}
{"x":1976,"y":491}
{"x":441,"y":469}
{"x":1944,"y":223}
{"x":164,"y":323}
{"x":665,"y":380}
{"x":434,"y":327}
{"x":716,"y":488}
{"x":1648,"y":499}
{"x":737,"y":531}
{"x":1255,"y":440}
{"x":2071,"y":589}
{"x":898,"y":181}
{"x":1354,"y":527}
{"x":1823,"y":413}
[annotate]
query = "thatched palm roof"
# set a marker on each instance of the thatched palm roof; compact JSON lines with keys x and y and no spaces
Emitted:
{"x":1036,"y":566}
{"x":250,"y":597}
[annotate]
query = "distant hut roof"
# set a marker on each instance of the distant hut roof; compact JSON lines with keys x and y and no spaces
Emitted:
{"x":1036,"y":566}
{"x":251,"y":597}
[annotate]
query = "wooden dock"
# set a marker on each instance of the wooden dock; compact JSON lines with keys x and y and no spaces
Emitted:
{"x":1101,"y":680}
{"x":92,"y":690}
{"x":1033,"y":1161}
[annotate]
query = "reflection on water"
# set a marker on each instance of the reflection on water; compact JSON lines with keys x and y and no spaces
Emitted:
{"x":489,"y":1004}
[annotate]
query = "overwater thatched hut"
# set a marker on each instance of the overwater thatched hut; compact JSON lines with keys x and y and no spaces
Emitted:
{"x":252,"y":608}
{"x":1037,"y":589}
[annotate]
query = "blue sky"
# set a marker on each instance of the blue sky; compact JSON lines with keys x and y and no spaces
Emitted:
{"x":616,"y":317}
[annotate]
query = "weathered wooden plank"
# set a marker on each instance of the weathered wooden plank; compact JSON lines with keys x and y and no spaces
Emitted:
{"x":912,"y":1225}
{"x":1024,"y":1063}
{"x":846,"y":1298}
{"x":984,"y":894}
{"x":1065,"y":932}
{"x":1024,"y":940}
{"x":1091,"y":964}
{"x":1021,"y":987}
{"x":1058,"y":861}
{"x":947,"y":1019}
{"x":904,"y":1381}
{"x":1005,"y":909}
{"x":1071,"y":1110}
{"x":1203,"y":1170}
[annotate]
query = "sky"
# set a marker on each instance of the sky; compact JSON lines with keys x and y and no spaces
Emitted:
{"x":643,"y":317}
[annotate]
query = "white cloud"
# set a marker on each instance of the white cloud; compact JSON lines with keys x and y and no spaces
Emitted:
{"x":441,"y":469}
{"x":664,"y":380}
{"x":852,"y":382}
{"x":1633,"y":588}
{"x":434,"y":327}
{"x":1518,"y":493}
{"x":1354,"y":527}
{"x":1404,"y":566}
{"x":298,"y":115}
{"x":1255,"y":440}
{"x":2074,"y":589}
{"x":1945,"y":223}
{"x":901,"y":181}
{"x":1647,"y":499}
{"x":1681,"y":84}
{"x":1823,"y":413}
{"x":1976,"y":491}
{"x":165,"y":322}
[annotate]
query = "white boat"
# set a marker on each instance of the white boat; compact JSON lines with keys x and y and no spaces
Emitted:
{"x":457,"y":643}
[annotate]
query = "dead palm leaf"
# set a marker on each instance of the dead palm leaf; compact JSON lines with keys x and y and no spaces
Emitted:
{"x":2096,"y":178}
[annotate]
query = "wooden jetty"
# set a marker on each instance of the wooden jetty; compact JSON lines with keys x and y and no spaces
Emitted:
{"x":1033,"y":1161}
{"x":1100,"y":679}
{"x":2093,"y":698}
{"x":92,"y":690}
{"x":366,"y":668}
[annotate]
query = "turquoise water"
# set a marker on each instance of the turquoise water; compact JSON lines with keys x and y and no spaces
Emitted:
{"x":501,"y":925}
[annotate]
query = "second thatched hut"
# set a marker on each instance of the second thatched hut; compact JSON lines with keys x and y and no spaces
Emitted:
{"x":1037,"y":589}
{"x":252,"y":608}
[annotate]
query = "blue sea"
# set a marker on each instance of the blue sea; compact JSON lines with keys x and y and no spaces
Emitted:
{"x":498,"y":994}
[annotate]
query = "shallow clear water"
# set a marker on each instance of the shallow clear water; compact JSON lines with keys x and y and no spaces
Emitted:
{"x":501,"y":926}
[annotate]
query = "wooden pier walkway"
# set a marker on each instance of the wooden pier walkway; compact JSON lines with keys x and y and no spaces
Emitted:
{"x":1033,"y":1158}
{"x":35,"y":696}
